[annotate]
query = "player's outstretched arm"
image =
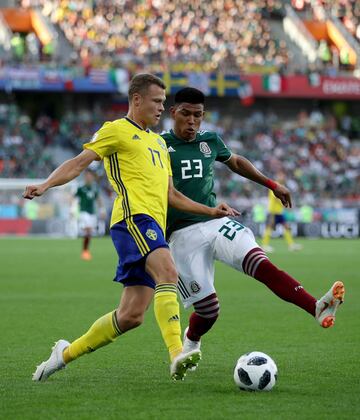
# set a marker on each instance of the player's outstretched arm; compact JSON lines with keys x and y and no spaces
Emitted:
{"x":245,"y":168}
{"x":180,"y":202}
{"x":63,"y":174}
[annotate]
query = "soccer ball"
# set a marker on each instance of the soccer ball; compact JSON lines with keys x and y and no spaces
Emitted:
{"x":255,"y":371}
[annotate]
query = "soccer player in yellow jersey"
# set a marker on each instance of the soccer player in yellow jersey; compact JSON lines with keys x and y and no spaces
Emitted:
{"x":138,"y":167}
{"x":275,"y":217}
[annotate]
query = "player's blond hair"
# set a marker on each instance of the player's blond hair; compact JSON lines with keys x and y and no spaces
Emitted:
{"x":141,"y":83}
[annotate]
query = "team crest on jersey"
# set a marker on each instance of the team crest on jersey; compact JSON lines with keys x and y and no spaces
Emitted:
{"x":151,"y":234}
{"x":136,"y":137}
{"x":162,"y":145}
{"x":205,"y":149}
{"x":195,"y":287}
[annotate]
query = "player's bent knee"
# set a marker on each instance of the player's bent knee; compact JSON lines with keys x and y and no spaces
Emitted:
{"x":128,"y":321}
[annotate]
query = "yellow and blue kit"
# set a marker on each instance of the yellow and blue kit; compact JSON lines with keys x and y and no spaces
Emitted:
{"x":138,"y":167}
{"x":275,"y":209}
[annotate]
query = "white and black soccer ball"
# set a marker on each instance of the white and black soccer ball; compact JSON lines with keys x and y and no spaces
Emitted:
{"x":255,"y":371}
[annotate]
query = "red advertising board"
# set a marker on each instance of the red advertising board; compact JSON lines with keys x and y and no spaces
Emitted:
{"x":299,"y":87}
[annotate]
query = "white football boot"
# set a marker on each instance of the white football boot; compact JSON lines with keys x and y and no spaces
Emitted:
{"x":189,"y":345}
{"x":327,"y":305}
{"x":54,"y":363}
{"x":267,"y":248}
{"x":182,"y":363}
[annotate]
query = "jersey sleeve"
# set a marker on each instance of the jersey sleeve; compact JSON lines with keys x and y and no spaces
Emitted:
{"x":223,"y":152}
{"x":105,"y":141}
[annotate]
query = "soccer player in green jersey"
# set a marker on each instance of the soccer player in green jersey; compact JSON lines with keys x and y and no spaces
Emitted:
{"x":197,"y":240}
{"x":88,"y":197}
{"x":137,"y":165}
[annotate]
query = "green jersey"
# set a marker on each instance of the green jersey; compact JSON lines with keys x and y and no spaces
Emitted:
{"x":192,"y":165}
{"x":87,"y":195}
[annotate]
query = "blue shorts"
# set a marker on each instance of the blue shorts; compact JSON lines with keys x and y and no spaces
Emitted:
{"x":134,"y":238}
{"x":277,"y":219}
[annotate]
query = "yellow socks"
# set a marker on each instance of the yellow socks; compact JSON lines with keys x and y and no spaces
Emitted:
{"x":288,"y":237}
{"x":167,"y":315}
{"x":267,"y":236}
{"x":105,"y":329}
{"x":102,"y":332}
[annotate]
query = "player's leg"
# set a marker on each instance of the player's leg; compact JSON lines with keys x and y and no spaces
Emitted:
{"x":86,"y":255}
{"x":237,"y":247}
{"x":192,"y":249}
{"x":257,"y":265}
{"x":86,"y":225}
{"x":160,"y":266}
{"x":134,"y":302}
{"x":289,"y":238}
{"x":206,"y":312}
{"x":130,"y":314}
{"x":270,"y":225}
{"x":103,"y":331}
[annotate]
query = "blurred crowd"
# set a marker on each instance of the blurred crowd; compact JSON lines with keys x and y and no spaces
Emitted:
{"x":319,"y":160}
{"x":226,"y":35}
{"x":313,"y":149}
{"x":22,"y":152}
{"x":218,"y":34}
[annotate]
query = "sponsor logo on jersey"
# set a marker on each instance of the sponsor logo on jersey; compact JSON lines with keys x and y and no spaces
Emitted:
{"x":195,"y":287}
{"x":171,"y":149}
{"x":151,"y":234}
{"x":162,"y":145}
{"x":205,"y":149}
{"x":174,"y":318}
{"x":136,"y":137}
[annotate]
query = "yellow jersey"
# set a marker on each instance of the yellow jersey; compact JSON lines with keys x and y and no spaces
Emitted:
{"x":137,"y":165}
{"x":275,"y":206}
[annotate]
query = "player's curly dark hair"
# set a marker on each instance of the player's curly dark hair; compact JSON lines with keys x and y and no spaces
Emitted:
{"x":141,"y":83}
{"x":189,"y":95}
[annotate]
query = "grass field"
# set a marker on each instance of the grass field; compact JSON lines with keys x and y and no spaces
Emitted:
{"x":47,"y":293}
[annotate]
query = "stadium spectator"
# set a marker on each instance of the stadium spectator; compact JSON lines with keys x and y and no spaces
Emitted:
{"x":17,"y":47}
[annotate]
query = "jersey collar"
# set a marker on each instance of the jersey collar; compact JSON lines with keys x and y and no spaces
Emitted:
{"x":183,"y":141}
{"x":136,"y":125}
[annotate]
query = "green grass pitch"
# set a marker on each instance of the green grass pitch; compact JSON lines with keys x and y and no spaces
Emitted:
{"x":47,"y":293}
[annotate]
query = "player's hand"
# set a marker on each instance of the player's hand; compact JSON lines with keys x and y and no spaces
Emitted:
{"x":223,"y":209}
{"x":283,"y":194}
{"x":32,"y":191}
